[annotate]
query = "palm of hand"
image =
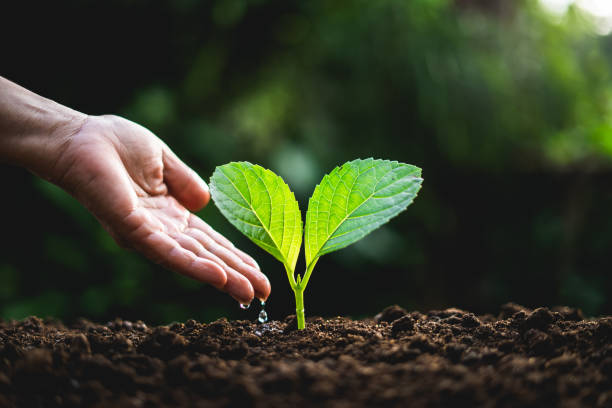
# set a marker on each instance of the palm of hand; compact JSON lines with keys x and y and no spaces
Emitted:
{"x":142,"y":193}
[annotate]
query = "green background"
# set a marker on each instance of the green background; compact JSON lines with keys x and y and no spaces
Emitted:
{"x":507,"y":109}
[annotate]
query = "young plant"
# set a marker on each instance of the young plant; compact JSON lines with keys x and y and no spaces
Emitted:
{"x":349,"y":203}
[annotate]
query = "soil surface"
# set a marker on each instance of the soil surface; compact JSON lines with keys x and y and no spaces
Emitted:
{"x":521,"y":358}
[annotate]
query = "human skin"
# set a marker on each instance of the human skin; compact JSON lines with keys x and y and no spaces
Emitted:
{"x":131,"y":181}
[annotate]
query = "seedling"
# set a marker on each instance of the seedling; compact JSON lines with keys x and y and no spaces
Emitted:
{"x":349,"y":203}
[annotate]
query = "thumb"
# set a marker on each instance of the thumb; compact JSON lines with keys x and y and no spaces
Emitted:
{"x":183,"y":183}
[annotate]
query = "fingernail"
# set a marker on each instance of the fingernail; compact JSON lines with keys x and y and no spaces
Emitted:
{"x":267,"y":287}
{"x":200,"y":182}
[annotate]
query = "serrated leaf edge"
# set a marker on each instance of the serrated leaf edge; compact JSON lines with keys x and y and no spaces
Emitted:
{"x":338,"y":168}
{"x":278,"y":248}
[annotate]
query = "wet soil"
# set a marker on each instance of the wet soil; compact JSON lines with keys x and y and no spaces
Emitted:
{"x":520,"y":358}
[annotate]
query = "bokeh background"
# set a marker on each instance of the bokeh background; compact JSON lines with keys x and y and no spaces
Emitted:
{"x":506,"y":105}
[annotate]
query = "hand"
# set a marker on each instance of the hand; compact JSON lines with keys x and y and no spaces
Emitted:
{"x":143,"y":194}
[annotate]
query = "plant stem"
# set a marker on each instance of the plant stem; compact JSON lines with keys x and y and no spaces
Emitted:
{"x":309,"y":269}
{"x":298,"y":288}
{"x":299,"y":307}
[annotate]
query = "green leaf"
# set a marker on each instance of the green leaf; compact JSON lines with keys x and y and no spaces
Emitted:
{"x":355,"y":199}
{"x":260,"y":204}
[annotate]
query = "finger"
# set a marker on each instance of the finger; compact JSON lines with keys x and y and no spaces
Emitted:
{"x":197,"y":223}
{"x":237,"y":285}
{"x":163,"y":249}
{"x":259,"y":281}
{"x":183,"y":183}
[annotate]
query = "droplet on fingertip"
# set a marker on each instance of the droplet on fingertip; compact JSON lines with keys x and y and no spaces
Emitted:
{"x":245,"y":306}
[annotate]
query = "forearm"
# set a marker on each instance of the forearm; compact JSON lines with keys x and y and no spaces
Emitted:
{"x":33,"y":129}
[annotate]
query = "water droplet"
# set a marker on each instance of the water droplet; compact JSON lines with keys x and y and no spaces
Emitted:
{"x":263,"y":316}
{"x":245,"y":306}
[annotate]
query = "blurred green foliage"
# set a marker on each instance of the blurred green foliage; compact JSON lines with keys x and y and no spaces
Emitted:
{"x":506,"y":108}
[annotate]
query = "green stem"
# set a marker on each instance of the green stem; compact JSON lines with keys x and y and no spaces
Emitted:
{"x":308,"y":272}
{"x":299,"y":306}
{"x":298,"y":288}
{"x":292,"y":282}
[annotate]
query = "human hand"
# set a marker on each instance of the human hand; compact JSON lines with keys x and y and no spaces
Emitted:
{"x":143,"y":194}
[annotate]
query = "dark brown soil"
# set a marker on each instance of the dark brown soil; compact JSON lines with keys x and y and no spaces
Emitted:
{"x":522,"y":358}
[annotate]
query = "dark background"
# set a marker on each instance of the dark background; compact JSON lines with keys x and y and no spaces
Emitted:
{"x":507,"y":108}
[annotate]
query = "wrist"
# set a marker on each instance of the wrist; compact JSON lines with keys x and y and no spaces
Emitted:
{"x":42,"y":149}
{"x":46,"y":154}
{"x":34,"y":130}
